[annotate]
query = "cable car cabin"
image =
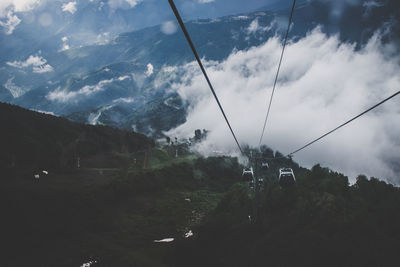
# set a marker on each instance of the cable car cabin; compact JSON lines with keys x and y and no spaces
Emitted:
{"x":286,"y":177}
{"x":260,"y":183}
{"x":248,"y":174}
{"x":264,"y":165}
{"x":251,"y":185}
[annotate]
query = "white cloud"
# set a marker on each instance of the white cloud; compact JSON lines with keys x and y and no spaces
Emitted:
{"x":38,"y":64}
{"x":42,"y":68}
{"x":322,"y":84}
{"x":255,"y":27}
{"x":16,"y":6}
{"x":133,"y":3}
{"x":169,"y":27}
{"x":205,"y":1}
{"x":93,"y":118}
{"x":60,"y":95}
{"x":150,"y":70}
{"x":241,"y":17}
{"x":124,"y":4}
{"x":15,"y":90}
{"x":103,"y":38}
{"x":122,"y":78}
{"x":45,"y":112}
{"x":10,"y":23}
{"x":124,"y":100}
{"x":64,"y":45}
{"x":8,"y":19}
{"x":69,"y":7}
{"x":66,"y":96}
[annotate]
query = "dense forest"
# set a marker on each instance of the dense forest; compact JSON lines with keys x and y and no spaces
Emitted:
{"x":322,"y":221}
{"x":128,"y":193}
{"x":36,"y":141}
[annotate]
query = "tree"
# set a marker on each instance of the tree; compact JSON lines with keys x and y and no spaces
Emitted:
{"x":197,"y":135}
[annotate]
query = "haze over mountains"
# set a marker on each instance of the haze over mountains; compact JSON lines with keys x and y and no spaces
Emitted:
{"x":83,"y":61}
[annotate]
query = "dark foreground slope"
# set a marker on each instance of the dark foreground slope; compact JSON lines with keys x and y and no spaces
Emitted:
{"x":109,"y":216}
{"x":322,"y":221}
{"x":35,"y":141}
{"x":125,"y":195}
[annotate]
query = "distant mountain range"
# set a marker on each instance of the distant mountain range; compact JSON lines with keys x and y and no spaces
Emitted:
{"x":125,"y":80}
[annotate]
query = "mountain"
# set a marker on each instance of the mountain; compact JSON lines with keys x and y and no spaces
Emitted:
{"x":33,"y":141}
{"x":121,"y":74}
{"x":43,"y":24}
{"x":133,"y":68}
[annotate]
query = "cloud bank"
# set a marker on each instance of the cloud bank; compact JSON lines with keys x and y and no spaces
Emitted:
{"x":322,"y":84}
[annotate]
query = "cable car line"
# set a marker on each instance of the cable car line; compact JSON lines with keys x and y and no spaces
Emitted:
{"x":286,"y":175}
{"x":347,"y":122}
{"x":277,"y":72}
{"x":178,"y":17}
{"x":249,"y":171}
{"x":337,"y":128}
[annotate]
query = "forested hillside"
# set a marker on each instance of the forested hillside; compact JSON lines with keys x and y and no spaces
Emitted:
{"x":36,"y":141}
{"x":128,"y":194}
{"x":322,"y":221}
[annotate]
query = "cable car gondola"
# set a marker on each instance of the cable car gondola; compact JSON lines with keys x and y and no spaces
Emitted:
{"x":264,"y":165}
{"x":248,"y":174}
{"x":260,"y":183}
{"x":286,"y":177}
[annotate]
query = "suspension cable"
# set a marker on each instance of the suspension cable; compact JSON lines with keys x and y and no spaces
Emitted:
{"x":347,"y":122}
{"x":277,"y":72}
{"x":178,"y":17}
{"x":337,"y":128}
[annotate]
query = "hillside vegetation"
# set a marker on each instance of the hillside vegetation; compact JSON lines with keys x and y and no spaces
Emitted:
{"x":322,"y":221}
{"x":36,"y":141}
{"x":128,"y":193}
